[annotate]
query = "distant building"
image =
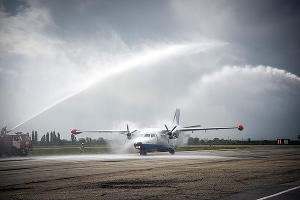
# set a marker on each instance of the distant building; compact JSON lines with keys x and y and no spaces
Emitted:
{"x":283,"y":141}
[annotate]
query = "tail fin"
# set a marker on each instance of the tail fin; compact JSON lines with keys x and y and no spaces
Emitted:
{"x":176,"y":116}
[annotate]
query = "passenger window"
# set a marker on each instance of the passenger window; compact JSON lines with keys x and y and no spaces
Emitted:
{"x":153,"y":135}
{"x":147,"y":135}
{"x":16,"y":138}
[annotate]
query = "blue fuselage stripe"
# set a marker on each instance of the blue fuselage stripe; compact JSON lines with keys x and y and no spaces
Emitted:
{"x":156,"y":147}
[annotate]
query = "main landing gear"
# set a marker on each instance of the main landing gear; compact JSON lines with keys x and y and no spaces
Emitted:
{"x":143,"y":152}
{"x":172,"y":151}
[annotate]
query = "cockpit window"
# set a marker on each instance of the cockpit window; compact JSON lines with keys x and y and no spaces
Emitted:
{"x":25,"y":137}
{"x":153,"y":135}
{"x":147,"y":135}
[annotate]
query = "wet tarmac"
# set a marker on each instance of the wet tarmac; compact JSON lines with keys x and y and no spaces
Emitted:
{"x":104,"y":157}
{"x":213,"y":174}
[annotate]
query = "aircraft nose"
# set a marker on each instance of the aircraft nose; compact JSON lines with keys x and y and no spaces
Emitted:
{"x":137,"y":145}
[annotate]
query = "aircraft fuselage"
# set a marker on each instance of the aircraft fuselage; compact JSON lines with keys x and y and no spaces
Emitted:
{"x":154,"y":140}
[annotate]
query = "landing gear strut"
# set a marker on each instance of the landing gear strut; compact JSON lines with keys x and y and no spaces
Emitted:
{"x":143,"y":152}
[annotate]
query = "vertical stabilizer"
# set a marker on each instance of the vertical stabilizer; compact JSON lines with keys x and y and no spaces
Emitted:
{"x":176,"y":116}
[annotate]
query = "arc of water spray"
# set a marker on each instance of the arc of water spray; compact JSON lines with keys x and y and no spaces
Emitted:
{"x":227,"y":71}
{"x":143,"y":59}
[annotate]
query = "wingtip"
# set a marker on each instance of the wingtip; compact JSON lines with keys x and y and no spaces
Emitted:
{"x":75,"y":131}
{"x":240,"y":127}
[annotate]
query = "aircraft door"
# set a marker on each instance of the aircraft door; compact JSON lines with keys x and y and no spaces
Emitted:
{"x":163,"y":139}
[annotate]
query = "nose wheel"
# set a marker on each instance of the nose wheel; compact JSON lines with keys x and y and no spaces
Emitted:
{"x":143,"y":152}
{"x":172,"y":151}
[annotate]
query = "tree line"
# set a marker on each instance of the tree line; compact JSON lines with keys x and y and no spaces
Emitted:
{"x":53,"y":138}
{"x":217,"y":141}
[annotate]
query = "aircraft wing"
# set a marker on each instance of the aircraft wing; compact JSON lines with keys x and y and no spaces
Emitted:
{"x":239,"y":127}
{"x":76,"y":131}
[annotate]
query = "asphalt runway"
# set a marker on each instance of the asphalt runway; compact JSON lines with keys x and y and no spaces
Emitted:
{"x":251,"y":173}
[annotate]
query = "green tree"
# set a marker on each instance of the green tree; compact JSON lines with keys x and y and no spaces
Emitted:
{"x":54,"y":140}
{"x":51,"y":137}
{"x":32,"y":137}
{"x":73,"y":139}
{"x":100,"y":140}
{"x":190,"y":141}
{"x":43,"y":139}
{"x":47,"y":138}
{"x":35,"y":137}
{"x":64,"y":141}
{"x":3,"y":131}
{"x":58,"y":138}
{"x":82,"y":140}
{"x":88,"y":140}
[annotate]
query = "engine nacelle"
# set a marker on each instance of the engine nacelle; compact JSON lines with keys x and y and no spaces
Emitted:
{"x":129,"y":136}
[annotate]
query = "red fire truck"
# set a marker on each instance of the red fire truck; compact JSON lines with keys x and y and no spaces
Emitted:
{"x":14,"y":144}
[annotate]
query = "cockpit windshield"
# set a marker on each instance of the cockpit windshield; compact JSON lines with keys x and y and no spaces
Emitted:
{"x":147,"y":135}
{"x":25,"y":137}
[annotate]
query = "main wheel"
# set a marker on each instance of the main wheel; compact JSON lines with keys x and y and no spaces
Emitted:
{"x":14,"y":151}
{"x":172,"y":151}
{"x":143,"y":152}
{"x":23,"y":152}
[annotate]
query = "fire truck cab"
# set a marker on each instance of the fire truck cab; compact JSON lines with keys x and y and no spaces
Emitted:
{"x":15,"y":144}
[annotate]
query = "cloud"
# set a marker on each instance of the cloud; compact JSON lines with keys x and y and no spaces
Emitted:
{"x":53,"y":69}
{"x":26,"y":33}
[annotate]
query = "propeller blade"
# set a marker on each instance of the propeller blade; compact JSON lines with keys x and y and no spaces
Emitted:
{"x":167,"y":128}
{"x":173,"y":129}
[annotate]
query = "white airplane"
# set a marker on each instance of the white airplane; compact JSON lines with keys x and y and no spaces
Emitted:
{"x":162,"y":140}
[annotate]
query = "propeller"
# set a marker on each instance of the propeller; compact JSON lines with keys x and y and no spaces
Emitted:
{"x":170,"y":132}
{"x":129,"y":134}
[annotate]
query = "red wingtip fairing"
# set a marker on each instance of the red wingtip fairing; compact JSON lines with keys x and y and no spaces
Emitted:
{"x":240,"y":127}
{"x":75,"y":131}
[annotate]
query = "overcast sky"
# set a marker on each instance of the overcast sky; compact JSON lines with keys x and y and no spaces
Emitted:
{"x":103,"y":64}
